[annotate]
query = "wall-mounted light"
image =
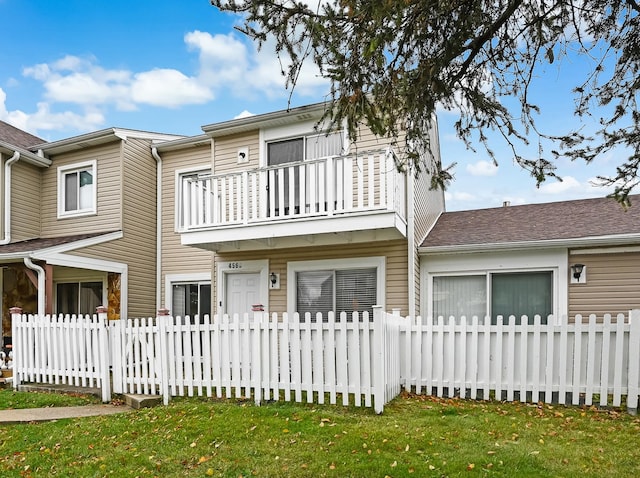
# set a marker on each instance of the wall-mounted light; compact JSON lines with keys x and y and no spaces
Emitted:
{"x":577,"y":269}
{"x":274,"y":280}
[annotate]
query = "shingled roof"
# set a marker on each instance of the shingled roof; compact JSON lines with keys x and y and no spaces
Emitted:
{"x":566,"y":220}
{"x":17,"y":137}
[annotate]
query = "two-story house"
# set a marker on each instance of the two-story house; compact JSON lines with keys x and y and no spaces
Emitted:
{"x":264,"y":212}
{"x":291,"y":217}
{"x":79,"y":222}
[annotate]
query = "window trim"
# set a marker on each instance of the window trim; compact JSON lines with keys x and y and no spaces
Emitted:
{"x":179,"y":174}
{"x":71,"y":168}
{"x":188,"y":278}
{"x":79,"y":280}
{"x":528,"y":260}
{"x":377,"y":262}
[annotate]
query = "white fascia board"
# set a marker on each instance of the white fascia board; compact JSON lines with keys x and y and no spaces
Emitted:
{"x":292,"y":115}
{"x":295,"y":227}
{"x":526,"y":245}
{"x":100,"y":137}
{"x":26,"y":156}
{"x":182,"y":143}
{"x":71,"y":246}
{"x":79,"y":262}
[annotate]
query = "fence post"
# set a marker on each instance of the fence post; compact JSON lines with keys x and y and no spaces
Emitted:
{"x":634,"y":361}
{"x":256,"y":354}
{"x":16,"y":318}
{"x":103,"y":337}
{"x":162,"y":321}
{"x":379,"y":362}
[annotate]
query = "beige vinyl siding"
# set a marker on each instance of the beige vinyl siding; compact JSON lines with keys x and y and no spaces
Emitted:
{"x":109,"y":192}
{"x":428,"y":205}
{"x":612,"y":287}
{"x":176,"y":258}
{"x":137,"y":248}
{"x":139,"y":219}
{"x":395,"y":253}
{"x":25,"y":202}
{"x":226,"y":152}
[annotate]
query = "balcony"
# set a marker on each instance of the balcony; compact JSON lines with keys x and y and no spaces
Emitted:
{"x":331,"y":200}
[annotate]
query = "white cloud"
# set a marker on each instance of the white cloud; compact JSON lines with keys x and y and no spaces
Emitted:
{"x":43,"y":119}
{"x":227,"y":64}
{"x":169,"y":88}
{"x":482,"y":168}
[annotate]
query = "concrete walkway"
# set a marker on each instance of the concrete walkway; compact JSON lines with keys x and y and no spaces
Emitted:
{"x":27,"y":415}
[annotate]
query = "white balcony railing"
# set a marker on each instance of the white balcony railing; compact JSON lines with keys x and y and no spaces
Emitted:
{"x":324,"y":187}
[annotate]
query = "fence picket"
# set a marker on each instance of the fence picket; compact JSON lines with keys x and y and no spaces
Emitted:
{"x":366,"y":361}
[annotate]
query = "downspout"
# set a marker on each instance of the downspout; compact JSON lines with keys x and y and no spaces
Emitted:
{"x":41,"y":284}
{"x":7,"y":197}
{"x":154,"y":153}
{"x":411,"y":250}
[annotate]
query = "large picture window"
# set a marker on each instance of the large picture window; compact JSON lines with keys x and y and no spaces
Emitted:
{"x":78,"y":297}
{"x":77,"y":189}
{"x":339,"y":285}
{"x":494,"y":294}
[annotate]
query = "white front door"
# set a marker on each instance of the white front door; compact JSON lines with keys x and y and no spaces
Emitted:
{"x":242,"y":291}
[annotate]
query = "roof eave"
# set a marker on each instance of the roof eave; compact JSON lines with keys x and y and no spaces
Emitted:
{"x":182,"y":143}
{"x":25,"y":155}
{"x":96,"y":138}
{"x":609,"y":240}
{"x":301,"y":113}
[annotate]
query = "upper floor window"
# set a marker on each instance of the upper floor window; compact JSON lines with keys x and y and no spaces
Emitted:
{"x":77,"y":189}
{"x":304,"y":148}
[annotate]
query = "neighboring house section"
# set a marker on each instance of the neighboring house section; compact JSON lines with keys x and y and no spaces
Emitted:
{"x":80,"y":224}
{"x":563,"y":258}
{"x":301,"y":220}
{"x":184,"y":271}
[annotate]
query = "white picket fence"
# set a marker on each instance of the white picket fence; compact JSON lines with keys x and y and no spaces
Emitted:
{"x":262,"y":357}
{"x":558,"y":362}
{"x":61,"y":350}
{"x":358,"y":359}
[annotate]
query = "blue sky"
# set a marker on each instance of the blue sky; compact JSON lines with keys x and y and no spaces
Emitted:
{"x":76,"y":66}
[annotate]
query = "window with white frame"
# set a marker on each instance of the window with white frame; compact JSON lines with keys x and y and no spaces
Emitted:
{"x":192,"y":188}
{"x":77,"y":189}
{"x":191,"y":298}
{"x":303,"y":148}
{"x":78,"y":297}
{"x":336,"y":286}
{"x":494,"y":294}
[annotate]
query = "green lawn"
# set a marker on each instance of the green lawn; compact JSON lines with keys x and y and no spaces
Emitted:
{"x":416,"y":436}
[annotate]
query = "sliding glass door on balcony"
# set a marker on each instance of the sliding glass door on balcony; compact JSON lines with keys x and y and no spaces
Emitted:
{"x":293,"y":189}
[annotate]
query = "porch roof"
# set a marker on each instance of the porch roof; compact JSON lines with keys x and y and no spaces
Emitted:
{"x":584,"y":222}
{"x":30,"y":246}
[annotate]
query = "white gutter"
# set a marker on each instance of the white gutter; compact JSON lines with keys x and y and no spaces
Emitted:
{"x":41,"y":284}
{"x":609,"y":240}
{"x":7,"y":197}
{"x":154,"y":153}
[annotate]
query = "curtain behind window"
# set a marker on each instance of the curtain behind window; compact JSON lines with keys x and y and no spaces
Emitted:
{"x":460,"y":295}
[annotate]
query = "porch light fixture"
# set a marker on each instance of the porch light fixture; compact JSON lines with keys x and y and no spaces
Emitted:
{"x":577,"y":270}
{"x":273,"y":278}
